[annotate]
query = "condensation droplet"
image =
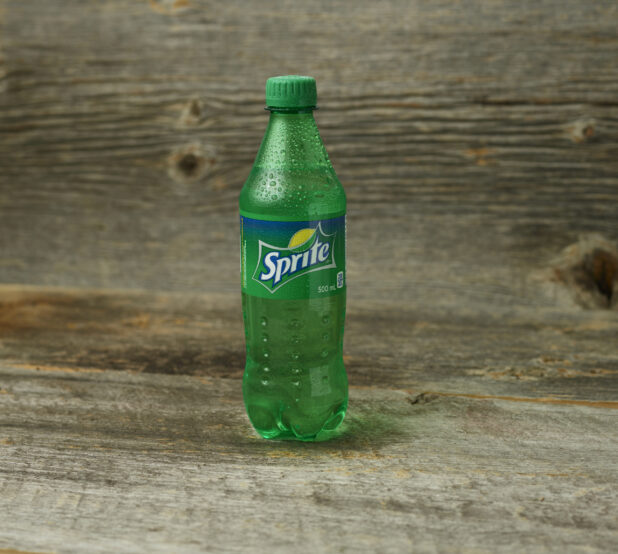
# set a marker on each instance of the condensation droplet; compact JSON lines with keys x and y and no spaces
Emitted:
{"x":326,"y":319}
{"x":263,"y":321}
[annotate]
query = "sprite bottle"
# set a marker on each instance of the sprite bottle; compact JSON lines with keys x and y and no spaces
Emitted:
{"x":292,"y":230}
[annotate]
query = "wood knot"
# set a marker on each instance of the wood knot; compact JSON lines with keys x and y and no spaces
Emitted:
{"x":192,"y":113}
{"x":600,"y":268}
{"x":589,"y":269}
{"x":581,"y":130}
{"x":190,"y":163}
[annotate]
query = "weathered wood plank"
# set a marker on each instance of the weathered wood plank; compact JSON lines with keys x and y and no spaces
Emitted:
{"x":476,"y":141}
{"x":535,"y":353}
{"x":478,"y":144}
{"x":100,"y":461}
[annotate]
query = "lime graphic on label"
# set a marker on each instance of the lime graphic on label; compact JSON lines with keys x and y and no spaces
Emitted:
{"x":301,"y":237}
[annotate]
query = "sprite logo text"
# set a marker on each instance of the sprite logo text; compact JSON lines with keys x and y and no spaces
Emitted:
{"x":308,"y":250}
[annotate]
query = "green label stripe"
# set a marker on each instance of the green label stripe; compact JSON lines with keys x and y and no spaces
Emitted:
{"x":292,"y":259}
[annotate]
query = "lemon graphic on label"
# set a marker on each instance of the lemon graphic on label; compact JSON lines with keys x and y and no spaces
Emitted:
{"x":301,"y":237}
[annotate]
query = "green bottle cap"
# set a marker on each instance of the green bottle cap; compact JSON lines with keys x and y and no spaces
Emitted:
{"x":291,"y":91}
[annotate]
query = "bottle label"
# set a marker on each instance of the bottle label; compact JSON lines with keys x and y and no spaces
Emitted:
{"x":292,"y":259}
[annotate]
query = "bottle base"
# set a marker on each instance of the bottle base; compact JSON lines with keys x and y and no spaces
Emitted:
{"x":307,"y":430}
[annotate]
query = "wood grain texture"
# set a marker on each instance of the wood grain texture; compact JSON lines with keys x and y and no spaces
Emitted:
{"x":476,"y":140}
{"x":464,"y":433}
{"x":478,"y":144}
{"x":128,"y":462}
{"x":534,"y":353}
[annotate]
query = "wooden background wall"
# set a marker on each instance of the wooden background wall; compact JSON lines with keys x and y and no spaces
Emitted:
{"x":478,"y":144}
{"x":476,"y":141}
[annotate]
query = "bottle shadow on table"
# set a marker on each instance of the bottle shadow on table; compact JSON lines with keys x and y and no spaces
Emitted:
{"x":365,"y":430}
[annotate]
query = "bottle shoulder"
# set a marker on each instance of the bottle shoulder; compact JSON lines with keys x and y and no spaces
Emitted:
{"x":292,"y":177}
{"x":293,"y":195}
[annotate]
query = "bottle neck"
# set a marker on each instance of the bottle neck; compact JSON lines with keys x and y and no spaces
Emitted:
{"x":292,"y":141}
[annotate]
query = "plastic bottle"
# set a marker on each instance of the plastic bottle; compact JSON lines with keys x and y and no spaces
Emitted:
{"x":293,"y":280}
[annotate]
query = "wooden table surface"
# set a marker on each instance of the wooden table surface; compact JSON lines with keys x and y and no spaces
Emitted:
{"x":123,"y":429}
{"x":478,"y":145}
